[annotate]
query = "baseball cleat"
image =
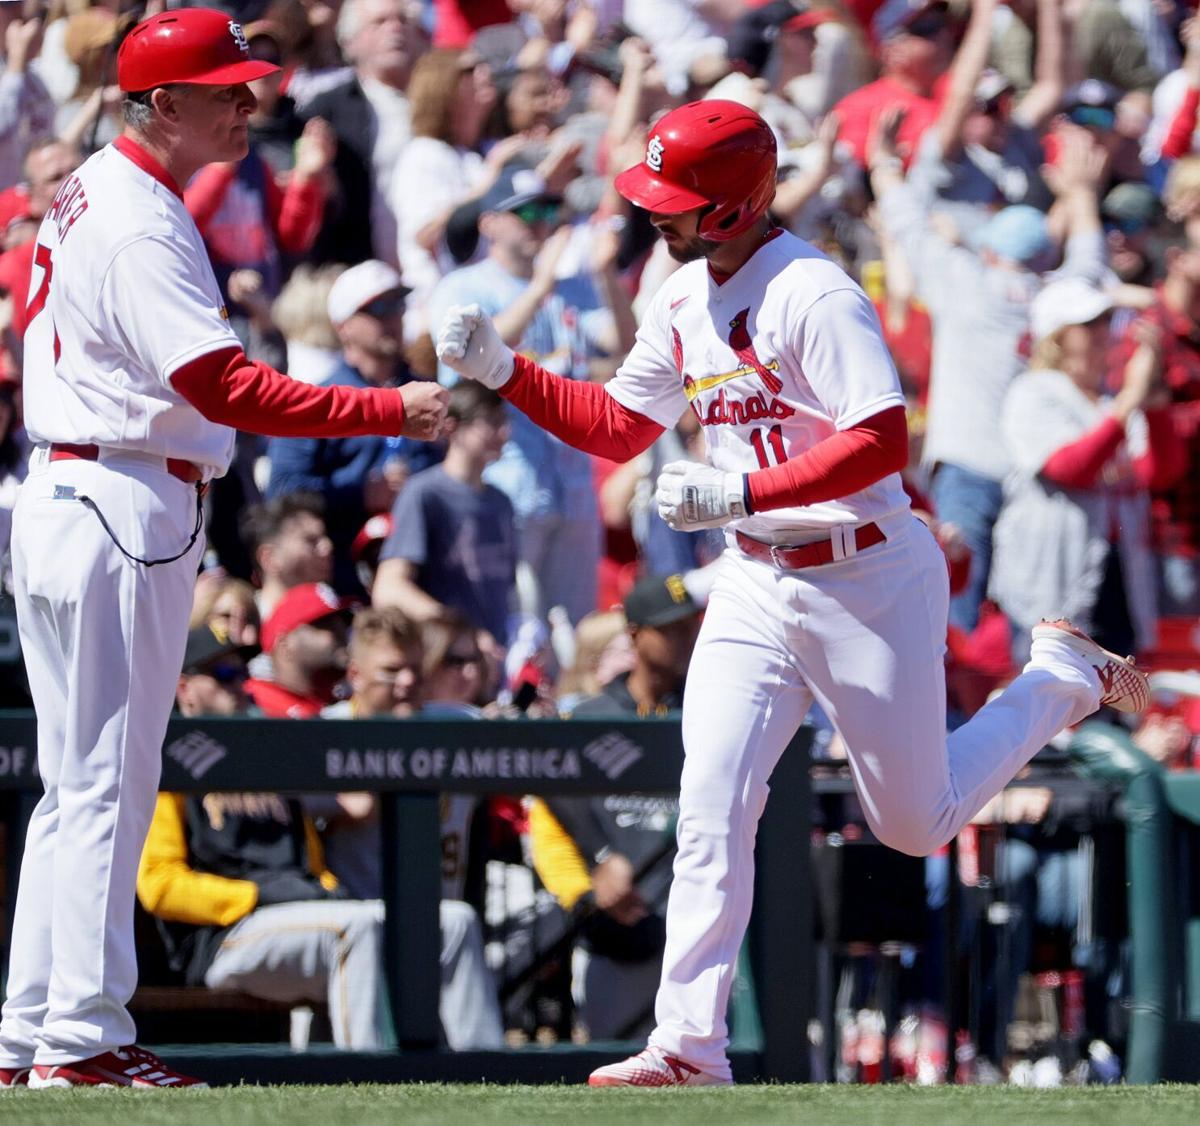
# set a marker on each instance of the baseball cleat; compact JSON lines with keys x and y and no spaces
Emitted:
{"x":11,"y":1077}
{"x":1122,"y":685}
{"x":652,"y":1067}
{"x":125,"y":1067}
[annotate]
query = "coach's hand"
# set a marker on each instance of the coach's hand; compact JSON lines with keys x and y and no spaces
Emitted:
{"x":469,"y":343}
{"x":692,"y":496}
{"x":424,"y":409}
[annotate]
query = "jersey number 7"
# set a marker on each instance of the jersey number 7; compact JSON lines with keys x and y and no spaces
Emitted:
{"x":41,"y":257}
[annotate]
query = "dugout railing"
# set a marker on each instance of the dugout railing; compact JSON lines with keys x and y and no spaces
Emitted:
{"x":409,"y":763}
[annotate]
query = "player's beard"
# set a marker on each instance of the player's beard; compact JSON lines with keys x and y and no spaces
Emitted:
{"x":691,"y":250}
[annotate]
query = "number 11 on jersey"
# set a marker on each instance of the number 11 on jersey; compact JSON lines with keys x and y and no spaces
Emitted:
{"x":775,"y":454}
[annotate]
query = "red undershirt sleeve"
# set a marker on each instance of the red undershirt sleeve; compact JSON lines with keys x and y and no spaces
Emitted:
{"x":837,"y":466}
{"x":583,"y":415}
{"x":1077,"y":465}
{"x":227,"y":388}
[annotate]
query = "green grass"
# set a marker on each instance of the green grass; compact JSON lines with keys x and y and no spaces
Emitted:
{"x":438,"y":1104}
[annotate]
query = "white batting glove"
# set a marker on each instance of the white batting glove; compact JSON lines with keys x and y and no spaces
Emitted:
{"x":469,"y":343}
{"x":692,"y":496}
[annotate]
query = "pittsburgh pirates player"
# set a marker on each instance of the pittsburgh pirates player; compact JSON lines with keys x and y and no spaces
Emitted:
{"x":133,"y":385}
{"x":829,"y":589}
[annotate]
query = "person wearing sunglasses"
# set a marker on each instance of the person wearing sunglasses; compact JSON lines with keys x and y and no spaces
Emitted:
{"x":214,"y":675}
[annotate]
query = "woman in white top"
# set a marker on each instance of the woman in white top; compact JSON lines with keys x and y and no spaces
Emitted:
{"x":1072,"y":538}
{"x":451,"y":95}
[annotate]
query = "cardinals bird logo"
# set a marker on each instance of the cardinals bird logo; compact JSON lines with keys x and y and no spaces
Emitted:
{"x":743,"y":346}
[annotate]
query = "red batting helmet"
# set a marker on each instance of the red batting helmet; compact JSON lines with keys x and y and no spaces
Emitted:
{"x":715,"y":154}
{"x":198,"y":46}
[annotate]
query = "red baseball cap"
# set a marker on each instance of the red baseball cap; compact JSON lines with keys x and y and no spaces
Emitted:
{"x":196,"y":46}
{"x":301,"y":606}
{"x":375,"y":530}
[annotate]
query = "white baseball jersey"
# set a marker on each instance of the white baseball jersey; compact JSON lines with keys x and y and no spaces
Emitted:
{"x":780,"y":356}
{"x":121,"y":296}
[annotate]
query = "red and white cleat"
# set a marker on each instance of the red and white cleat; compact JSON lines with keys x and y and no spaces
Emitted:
{"x":652,"y":1067}
{"x":11,"y":1077}
{"x":126,"y":1067}
{"x":1122,"y":685}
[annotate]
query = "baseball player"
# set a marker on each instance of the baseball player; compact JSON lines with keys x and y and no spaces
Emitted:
{"x":134,"y":384}
{"x":829,"y":588}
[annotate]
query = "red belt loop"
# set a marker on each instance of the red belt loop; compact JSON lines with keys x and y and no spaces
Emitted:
{"x":810,"y":554}
{"x":185,"y":471}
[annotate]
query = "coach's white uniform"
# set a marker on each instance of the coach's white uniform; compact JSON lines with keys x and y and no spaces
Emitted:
{"x":863,"y":635}
{"x":122,"y":295}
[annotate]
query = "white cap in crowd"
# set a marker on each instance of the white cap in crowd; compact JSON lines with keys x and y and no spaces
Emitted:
{"x":359,"y":286}
{"x":1071,"y":301}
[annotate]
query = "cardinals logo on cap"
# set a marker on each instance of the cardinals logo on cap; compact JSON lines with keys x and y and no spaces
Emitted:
{"x":654,"y":153}
{"x":239,"y":37}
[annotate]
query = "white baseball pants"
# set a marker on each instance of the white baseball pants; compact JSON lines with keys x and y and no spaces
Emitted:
{"x":103,"y":640}
{"x":864,"y":637}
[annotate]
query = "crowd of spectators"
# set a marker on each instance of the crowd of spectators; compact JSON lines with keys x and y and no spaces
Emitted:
{"x":1017,"y":187}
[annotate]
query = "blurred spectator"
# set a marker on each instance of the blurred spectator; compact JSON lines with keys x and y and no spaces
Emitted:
{"x":683,"y":33}
{"x":563,"y":324}
{"x":301,"y":314}
{"x":242,"y":894}
{"x":287,"y":539}
{"x":213,"y":680}
{"x":603,"y":650}
{"x":310,"y":35}
{"x":1073,"y":535}
{"x":453,"y":540}
{"x":1109,"y":48}
{"x":984,"y":149}
{"x":607,"y":860}
{"x":1176,"y":510}
{"x":356,"y":477}
{"x":47,"y":165}
{"x":1172,"y":132}
{"x":663,"y":620}
{"x":384,"y":676}
{"x":249,"y":224}
{"x":916,"y":46}
{"x":26,"y":108}
{"x":384,"y":668}
{"x":1131,"y":212}
{"x":977,"y":344}
{"x":451,"y":94}
{"x":456,"y":675}
{"x":91,"y":118}
{"x":275,"y":125}
{"x":228,"y":607}
{"x":369,"y":112}
{"x":290,"y":546}
{"x":305,"y":637}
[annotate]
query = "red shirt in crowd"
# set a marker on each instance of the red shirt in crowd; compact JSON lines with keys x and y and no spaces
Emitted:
{"x":859,"y":111}
{"x":277,"y":702}
{"x":1175,"y":512}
